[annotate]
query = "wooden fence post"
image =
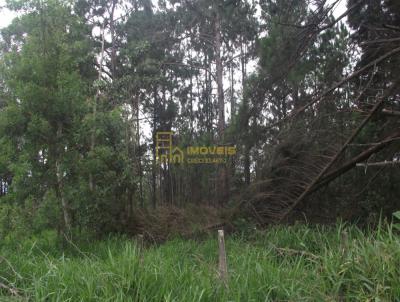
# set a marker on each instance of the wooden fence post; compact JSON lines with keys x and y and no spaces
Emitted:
{"x":222,"y":266}
{"x":344,"y":244}
{"x":140,"y":243}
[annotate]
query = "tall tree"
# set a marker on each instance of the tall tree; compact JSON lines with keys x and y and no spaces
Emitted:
{"x":48,"y":96}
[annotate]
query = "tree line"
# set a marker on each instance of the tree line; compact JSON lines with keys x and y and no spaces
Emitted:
{"x":86,"y":85}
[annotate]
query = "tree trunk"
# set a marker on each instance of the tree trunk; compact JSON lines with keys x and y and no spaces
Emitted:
{"x":139,"y":157}
{"x":222,"y":191}
{"x":112,"y":30}
{"x":153,"y":170}
{"x":94,"y":109}
{"x":60,"y":186}
{"x":246,"y":125}
{"x":219,"y":69}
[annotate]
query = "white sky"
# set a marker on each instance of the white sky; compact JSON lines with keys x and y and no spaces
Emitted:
{"x":6,"y":16}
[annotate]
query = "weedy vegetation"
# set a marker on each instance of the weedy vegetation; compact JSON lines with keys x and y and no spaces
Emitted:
{"x":283,"y":263}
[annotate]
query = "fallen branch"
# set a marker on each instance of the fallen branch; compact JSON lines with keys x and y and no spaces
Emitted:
{"x":391,"y":112}
{"x":374,"y":110}
{"x":341,"y":82}
{"x":352,"y":163}
{"x":373,"y":144}
{"x":392,"y":27}
{"x":381,"y":41}
{"x":378,"y":164}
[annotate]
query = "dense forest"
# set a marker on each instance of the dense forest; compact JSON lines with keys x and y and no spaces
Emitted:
{"x":305,"y":97}
{"x":300,"y":101}
{"x":309,"y":101}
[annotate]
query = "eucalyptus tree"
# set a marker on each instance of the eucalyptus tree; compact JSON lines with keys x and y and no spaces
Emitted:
{"x":44,"y":63}
{"x":49,"y":71}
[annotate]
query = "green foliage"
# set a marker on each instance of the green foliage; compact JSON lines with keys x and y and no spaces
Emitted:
{"x":71,"y":131}
{"x":47,"y":123}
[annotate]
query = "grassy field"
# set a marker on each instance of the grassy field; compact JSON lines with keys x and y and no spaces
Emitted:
{"x":285,"y":263}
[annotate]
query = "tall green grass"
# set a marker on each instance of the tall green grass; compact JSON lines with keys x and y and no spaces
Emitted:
{"x":284,"y":263}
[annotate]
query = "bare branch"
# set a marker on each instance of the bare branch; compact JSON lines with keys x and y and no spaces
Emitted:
{"x":379,"y":164}
{"x":343,"y":81}
{"x":381,"y":41}
{"x":391,"y":112}
{"x":359,"y":158}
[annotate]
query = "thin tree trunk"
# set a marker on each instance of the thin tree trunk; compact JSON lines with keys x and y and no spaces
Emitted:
{"x":112,"y":30}
{"x":222,"y":192}
{"x":60,"y":186}
{"x":128,"y":189}
{"x":153,"y":171}
{"x":139,"y":157}
{"x":220,"y":86}
{"x":233,"y":101}
{"x":191,"y":94}
{"x":246,"y":125}
{"x":94,"y":109}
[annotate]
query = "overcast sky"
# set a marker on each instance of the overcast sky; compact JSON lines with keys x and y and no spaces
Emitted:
{"x":6,"y":16}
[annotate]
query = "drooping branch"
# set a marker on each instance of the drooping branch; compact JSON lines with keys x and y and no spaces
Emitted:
{"x":381,"y":41}
{"x":350,"y":9}
{"x":352,"y":162}
{"x":390,"y":112}
{"x":374,"y":110}
{"x":378,"y":164}
{"x":326,"y":26}
{"x":345,"y":80}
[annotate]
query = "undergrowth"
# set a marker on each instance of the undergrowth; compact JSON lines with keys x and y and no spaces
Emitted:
{"x":283,"y":263}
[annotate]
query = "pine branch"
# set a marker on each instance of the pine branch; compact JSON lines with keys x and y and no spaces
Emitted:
{"x":379,"y":164}
{"x":359,"y":158}
{"x":309,"y":188}
{"x":391,"y":112}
